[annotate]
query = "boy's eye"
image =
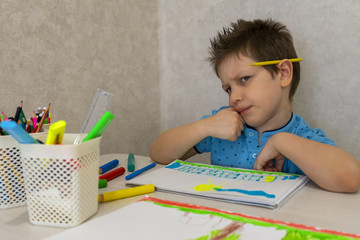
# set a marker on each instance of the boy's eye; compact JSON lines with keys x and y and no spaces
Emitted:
{"x":228,"y":90}
{"x":244,"y":79}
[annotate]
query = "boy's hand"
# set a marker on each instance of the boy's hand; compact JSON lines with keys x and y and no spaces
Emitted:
{"x":226,"y":124}
{"x":265,"y":159}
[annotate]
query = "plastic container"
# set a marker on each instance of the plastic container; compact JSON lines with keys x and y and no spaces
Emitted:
{"x":12,"y":187}
{"x":61,"y":181}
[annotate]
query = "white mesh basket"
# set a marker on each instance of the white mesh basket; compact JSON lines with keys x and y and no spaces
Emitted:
{"x":61,"y":181}
{"x":12,"y":187}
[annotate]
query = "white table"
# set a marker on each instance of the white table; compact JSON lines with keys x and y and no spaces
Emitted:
{"x":310,"y":206}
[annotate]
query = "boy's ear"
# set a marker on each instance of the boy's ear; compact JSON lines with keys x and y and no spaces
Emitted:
{"x":286,"y":72}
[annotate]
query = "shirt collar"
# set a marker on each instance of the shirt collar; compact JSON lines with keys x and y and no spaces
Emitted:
{"x":286,"y":128}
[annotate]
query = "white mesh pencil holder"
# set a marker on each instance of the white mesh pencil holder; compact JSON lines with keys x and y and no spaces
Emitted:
{"x":12,"y":187}
{"x":61,"y":181}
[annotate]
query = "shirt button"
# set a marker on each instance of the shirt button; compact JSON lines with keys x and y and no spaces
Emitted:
{"x":251,"y":134}
{"x":254,"y":155}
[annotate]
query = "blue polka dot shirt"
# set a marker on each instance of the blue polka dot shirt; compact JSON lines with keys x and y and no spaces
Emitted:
{"x":242,"y":153}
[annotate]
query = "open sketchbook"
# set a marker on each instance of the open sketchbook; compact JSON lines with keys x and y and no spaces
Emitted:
{"x":266,"y":189}
{"x":152,"y":218}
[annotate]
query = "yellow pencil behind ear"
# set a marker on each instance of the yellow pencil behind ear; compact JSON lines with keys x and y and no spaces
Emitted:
{"x":56,"y":132}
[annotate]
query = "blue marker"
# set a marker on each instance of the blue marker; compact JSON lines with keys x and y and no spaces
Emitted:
{"x":137,"y":172}
{"x":106,"y":167}
{"x":17,"y":132}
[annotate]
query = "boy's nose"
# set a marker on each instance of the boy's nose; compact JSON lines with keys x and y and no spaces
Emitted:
{"x":236,"y":96}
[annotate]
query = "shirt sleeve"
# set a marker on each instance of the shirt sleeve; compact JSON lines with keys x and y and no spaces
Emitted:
{"x":317,"y":135}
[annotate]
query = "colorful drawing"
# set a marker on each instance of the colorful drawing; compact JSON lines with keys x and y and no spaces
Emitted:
{"x":245,"y":186}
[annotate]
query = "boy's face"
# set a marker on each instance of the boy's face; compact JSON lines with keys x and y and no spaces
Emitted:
{"x":254,"y":93}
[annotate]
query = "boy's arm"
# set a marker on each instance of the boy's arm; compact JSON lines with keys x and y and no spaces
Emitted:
{"x":330,"y":167}
{"x":178,"y":142}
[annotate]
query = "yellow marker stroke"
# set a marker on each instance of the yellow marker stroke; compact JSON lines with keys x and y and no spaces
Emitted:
{"x":269,"y":178}
{"x":206,"y":187}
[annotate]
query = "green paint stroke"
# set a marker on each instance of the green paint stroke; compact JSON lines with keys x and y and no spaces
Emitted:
{"x":234,"y":169}
{"x":292,"y":232}
{"x":216,"y":233}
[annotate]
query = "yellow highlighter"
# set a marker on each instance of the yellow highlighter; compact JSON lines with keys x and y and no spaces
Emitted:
{"x":124,"y":193}
{"x":56,"y":132}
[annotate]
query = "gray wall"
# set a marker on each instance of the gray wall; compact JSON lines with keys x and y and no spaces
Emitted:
{"x":59,"y":52}
{"x":151,"y":55}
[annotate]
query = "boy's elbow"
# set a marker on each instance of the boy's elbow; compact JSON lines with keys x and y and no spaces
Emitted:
{"x":354,"y":183}
{"x":351,"y":180}
{"x":153,"y":154}
{"x":156,"y":156}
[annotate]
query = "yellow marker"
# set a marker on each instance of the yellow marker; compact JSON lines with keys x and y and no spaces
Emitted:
{"x":124,"y":193}
{"x":56,"y":132}
{"x":274,"y":62}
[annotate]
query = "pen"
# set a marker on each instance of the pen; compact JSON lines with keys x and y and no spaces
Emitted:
{"x":17,"y":132}
{"x":4,"y":116}
{"x":113,"y":174}
{"x":274,"y":62}
{"x":106,"y":167}
{"x":18,"y":111}
{"x":137,"y":172}
{"x":102,"y":183}
{"x":100,"y":126}
{"x":38,"y":129}
{"x":124,"y":193}
{"x":56,"y":132}
{"x":131,"y":162}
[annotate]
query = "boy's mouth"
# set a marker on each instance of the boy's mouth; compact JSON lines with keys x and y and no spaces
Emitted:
{"x":243,"y":111}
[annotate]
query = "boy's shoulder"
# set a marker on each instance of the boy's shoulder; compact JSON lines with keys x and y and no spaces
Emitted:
{"x":301,"y":128}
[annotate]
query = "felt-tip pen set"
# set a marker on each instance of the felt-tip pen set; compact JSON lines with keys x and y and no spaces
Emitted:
{"x":19,"y":129}
{"x":123,"y":193}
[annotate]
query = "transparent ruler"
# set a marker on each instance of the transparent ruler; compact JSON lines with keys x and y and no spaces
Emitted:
{"x":98,"y":107}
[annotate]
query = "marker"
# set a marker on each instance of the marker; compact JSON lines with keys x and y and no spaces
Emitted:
{"x":102,"y":183}
{"x":100,"y":126}
{"x":17,"y":132}
{"x":274,"y":62}
{"x":113,"y":174}
{"x":131,"y":162}
{"x":22,"y":120}
{"x":124,"y":193}
{"x":137,"y":172}
{"x":34,"y":119}
{"x":56,"y":132}
{"x":106,"y":167}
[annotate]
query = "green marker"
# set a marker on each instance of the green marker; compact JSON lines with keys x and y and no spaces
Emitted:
{"x":102,"y":183}
{"x":100,"y":126}
{"x":131,"y":162}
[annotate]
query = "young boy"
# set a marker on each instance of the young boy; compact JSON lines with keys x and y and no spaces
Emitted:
{"x":259,"y":130}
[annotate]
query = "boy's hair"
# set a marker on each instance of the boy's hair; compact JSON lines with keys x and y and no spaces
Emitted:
{"x":262,"y":40}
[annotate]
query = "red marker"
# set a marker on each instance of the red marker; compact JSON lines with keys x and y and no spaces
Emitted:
{"x":113,"y":174}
